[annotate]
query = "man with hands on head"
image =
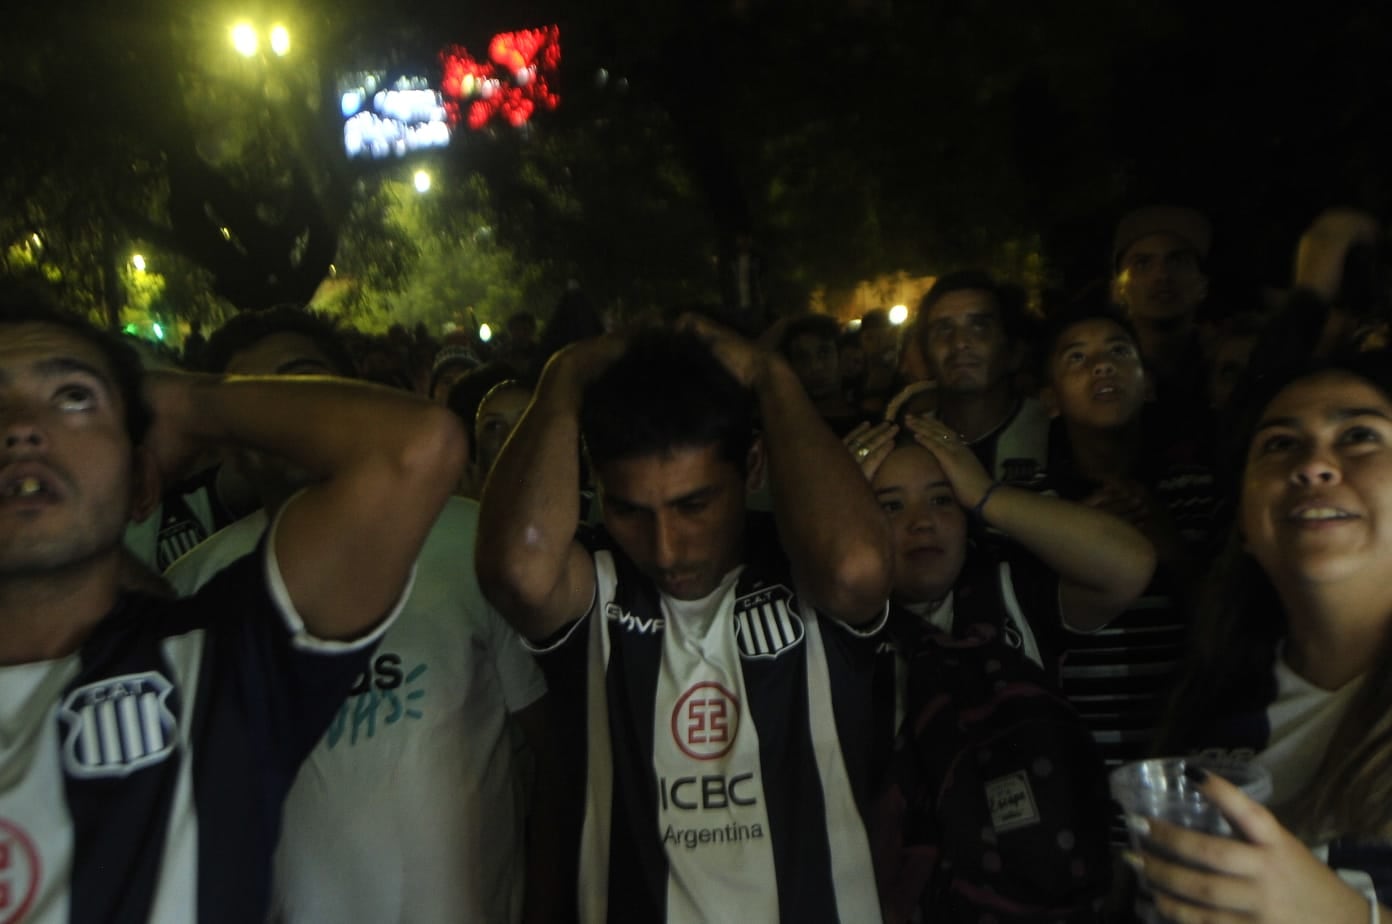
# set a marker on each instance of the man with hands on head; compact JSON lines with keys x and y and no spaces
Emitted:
{"x":438,"y":712}
{"x":148,"y":744}
{"x":720,"y":670}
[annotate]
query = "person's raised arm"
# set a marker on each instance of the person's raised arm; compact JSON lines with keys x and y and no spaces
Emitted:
{"x":529,"y":564}
{"x":1103,"y":562}
{"x":383,"y":461}
{"x":831,"y":527}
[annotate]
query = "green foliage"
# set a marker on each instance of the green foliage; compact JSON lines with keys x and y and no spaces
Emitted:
{"x":408,"y":258}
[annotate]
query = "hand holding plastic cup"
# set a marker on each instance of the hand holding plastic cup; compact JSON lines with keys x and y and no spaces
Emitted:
{"x":1158,"y":788}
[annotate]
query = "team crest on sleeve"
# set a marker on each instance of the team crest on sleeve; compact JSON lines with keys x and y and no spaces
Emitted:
{"x":766,"y":625}
{"x":118,"y":726}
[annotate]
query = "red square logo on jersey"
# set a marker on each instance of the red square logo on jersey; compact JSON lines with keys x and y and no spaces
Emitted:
{"x":705,"y":721}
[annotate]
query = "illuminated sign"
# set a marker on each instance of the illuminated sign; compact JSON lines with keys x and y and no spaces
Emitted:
{"x":391,"y":119}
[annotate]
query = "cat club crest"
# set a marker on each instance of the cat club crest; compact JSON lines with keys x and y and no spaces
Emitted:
{"x":766,"y":625}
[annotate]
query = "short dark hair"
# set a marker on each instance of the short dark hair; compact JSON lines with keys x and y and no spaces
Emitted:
{"x":1059,"y":323}
{"x":23,"y":303}
{"x":251,"y":327}
{"x":668,"y":391}
{"x":820,"y":326}
{"x":1009,"y":300}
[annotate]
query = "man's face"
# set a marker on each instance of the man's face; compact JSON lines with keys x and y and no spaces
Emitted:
{"x":1096,"y":378}
{"x":1159,"y":279}
{"x":278,"y":354}
{"x":679,"y":516}
{"x":965,"y":343}
{"x":67,"y":476}
{"x":816,"y":364}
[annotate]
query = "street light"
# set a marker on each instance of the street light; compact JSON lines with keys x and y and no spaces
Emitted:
{"x":138,"y":262}
{"x":280,"y":40}
{"x":898,"y":314}
{"x":244,"y":39}
{"x":422,"y":181}
{"x":485,"y":333}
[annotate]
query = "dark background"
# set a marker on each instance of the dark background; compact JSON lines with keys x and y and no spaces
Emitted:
{"x":852,"y":138}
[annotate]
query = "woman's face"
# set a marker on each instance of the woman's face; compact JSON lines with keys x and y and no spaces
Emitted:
{"x":928,"y":526}
{"x":497,"y":416}
{"x":1317,"y":486}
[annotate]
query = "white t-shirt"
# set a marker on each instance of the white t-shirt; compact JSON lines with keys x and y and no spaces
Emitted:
{"x":1303,"y":719}
{"x":409,"y":809}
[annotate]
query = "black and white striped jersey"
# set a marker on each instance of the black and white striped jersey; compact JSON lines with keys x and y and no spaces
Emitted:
{"x":726,"y":744}
{"x":141,"y":778}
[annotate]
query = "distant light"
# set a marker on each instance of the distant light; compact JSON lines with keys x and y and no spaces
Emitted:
{"x":898,"y":314}
{"x":422,"y":181}
{"x":485,"y":333}
{"x":138,"y":262}
{"x":131,"y":329}
{"x":159,"y":331}
{"x":853,"y":325}
{"x":226,"y":233}
{"x":244,"y":39}
{"x":38,"y":241}
{"x":280,"y":40}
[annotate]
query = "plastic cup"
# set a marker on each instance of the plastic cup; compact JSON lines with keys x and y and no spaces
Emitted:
{"x":1158,"y":788}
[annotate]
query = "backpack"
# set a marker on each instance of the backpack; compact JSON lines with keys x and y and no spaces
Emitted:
{"x":996,"y":806}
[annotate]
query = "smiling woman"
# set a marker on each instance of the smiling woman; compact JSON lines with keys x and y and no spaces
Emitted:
{"x":1291,"y":662}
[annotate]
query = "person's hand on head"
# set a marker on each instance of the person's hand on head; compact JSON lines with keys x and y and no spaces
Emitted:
{"x":870,"y":444}
{"x":1266,"y":875}
{"x":746,"y":361}
{"x":907,"y":393}
{"x":969,"y":478}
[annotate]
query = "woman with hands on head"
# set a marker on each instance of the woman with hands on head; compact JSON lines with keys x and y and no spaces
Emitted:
{"x":971,"y":717}
{"x":1072,"y":567}
{"x":1290,"y":668}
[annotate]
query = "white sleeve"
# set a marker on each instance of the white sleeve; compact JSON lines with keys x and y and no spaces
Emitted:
{"x":300,"y":637}
{"x":521,"y":679}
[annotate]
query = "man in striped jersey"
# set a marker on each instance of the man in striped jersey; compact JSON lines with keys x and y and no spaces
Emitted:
{"x":146,"y":744}
{"x":719,"y":677}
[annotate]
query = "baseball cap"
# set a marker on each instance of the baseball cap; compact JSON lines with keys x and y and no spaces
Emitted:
{"x":1186,"y":224}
